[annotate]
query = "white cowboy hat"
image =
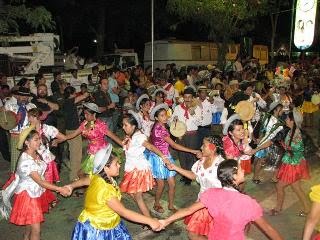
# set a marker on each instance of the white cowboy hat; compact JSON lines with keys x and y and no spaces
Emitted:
{"x":156,"y":108}
{"x":228,"y":122}
{"x":143,"y":96}
{"x":92,"y":106}
{"x":136,"y":117}
{"x":100,"y":158}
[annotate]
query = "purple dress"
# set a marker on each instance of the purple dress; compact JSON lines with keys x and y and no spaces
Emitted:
{"x":157,"y":138}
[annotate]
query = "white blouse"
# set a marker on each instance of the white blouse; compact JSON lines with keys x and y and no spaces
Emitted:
{"x":50,"y":133}
{"x":134,"y":151}
{"x":207,"y":178}
{"x":27,"y":165}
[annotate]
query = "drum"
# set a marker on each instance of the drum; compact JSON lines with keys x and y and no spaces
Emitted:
{"x":178,"y":128}
{"x":8,"y":120}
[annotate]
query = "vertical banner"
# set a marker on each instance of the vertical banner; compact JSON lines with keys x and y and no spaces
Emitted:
{"x":305,"y":23}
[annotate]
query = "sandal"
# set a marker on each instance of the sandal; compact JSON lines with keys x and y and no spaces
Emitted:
{"x":302,"y":214}
{"x":274,"y":212}
{"x":158,"y":208}
{"x":258,"y":181}
{"x":173,"y":210}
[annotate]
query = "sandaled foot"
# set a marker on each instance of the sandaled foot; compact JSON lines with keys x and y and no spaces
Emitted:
{"x":302,"y":214}
{"x":256,"y":181}
{"x":172,"y":209}
{"x":274,"y":180}
{"x":274,"y":212}
{"x":158,"y":208}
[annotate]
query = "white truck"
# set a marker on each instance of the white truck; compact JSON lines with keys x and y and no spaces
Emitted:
{"x":121,"y":58}
{"x":30,"y":53}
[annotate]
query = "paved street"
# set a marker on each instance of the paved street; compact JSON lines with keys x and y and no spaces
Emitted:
{"x":60,"y":221}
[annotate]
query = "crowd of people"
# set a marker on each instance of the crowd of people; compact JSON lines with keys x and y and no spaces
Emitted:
{"x":220,"y":126}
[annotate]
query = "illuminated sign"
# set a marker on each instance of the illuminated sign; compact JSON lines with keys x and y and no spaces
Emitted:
{"x":304,"y":23}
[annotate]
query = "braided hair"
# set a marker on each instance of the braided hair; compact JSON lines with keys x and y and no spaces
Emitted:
{"x":103,"y":174}
{"x":225,"y":172}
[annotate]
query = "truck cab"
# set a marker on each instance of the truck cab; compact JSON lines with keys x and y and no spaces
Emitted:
{"x":121,"y":58}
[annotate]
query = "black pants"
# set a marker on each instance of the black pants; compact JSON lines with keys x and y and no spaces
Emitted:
{"x":4,"y":145}
{"x":203,"y":132}
{"x":190,"y":141}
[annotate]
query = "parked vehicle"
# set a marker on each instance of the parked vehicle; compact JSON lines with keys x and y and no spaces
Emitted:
{"x":184,"y":53}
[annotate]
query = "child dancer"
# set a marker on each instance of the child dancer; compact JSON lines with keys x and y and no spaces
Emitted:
{"x":160,"y":138}
{"x":230,"y":209}
{"x":100,"y":219}
{"x":204,"y":171}
{"x":138,"y":177}
{"x":95,"y":130}
{"x":31,"y":198}
{"x":294,"y":166}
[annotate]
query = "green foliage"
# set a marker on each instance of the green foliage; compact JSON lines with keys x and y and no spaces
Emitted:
{"x":38,"y":18}
{"x":224,"y":18}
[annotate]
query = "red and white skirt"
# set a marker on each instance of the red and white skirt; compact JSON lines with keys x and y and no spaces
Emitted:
{"x":137,"y":181}
{"x":27,"y":210}
{"x":290,"y":173}
{"x":199,"y":222}
{"x":52,"y":174}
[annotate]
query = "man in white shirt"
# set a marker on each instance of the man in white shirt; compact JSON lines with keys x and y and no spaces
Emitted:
{"x":189,"y":114}
{"x":207,"y":109}
{"x":19,"y":104}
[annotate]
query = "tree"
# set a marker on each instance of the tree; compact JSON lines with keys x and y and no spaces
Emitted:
{"x":224,"y":19}
{"x":273,"y":9}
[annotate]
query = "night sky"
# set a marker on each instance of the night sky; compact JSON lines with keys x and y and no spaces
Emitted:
{"x":128,"y":24}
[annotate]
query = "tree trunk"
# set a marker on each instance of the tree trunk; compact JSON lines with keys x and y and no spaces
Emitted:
{"x":222,"y":51}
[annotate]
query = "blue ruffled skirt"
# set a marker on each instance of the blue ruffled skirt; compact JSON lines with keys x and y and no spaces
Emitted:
{"x":84,"y":231}
{"x":159,"y":170}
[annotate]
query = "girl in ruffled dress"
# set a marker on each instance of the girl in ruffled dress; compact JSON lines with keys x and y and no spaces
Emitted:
{"x":95,"y":131}
{"x":204,"y":171}
{"x":137,"y":177}
{"x":294,"y":166}
{"x":101,"y":217}
{"x":160,"y":138}
{"x":230,"y":209}
{"x":31,"y":198}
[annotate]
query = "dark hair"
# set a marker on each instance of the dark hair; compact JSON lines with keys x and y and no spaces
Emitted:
{"x":35,"y":112}
{"x":103,"y":77}
{"x":88,"y":110}
{"x":5,"y":86}
{"x":189,"y":90}
{"x":234,"y":123}
{"x":31,"y":134}
{"x":225,"y":172}
{"x":290,"y":116}
{"x":216,"y":141}
{"x":108,"y":163}
{"x":42,"y":85}
{"x":156,"y":114}
{"x":132,"y":121}
{"x":183,"y":75}
{"x":22,"y":82}
{"x":144,"y":101}
{"x":55,"y":74}
{"x":68,"y":91}
{"x":37,"y":78}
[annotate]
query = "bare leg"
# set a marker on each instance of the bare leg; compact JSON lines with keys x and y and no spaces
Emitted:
{"x":193,"y":236}
{"x":296,"y":187}
{"x":141,"y":204}
{"x":26,"y":235}
{"x":280,"y":186}
{"x":159,"y":191}
{"x":35,"y":231}
{"x":172,"y":190}
{"x":257,"y":168}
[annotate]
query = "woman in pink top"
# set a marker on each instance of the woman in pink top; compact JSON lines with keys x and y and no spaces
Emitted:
{"x":230,"y":209}
{"x":95,"y":131}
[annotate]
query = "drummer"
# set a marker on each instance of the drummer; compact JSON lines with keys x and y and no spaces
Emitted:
{"x":19,"y":104}
{"x":190,"y":114}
